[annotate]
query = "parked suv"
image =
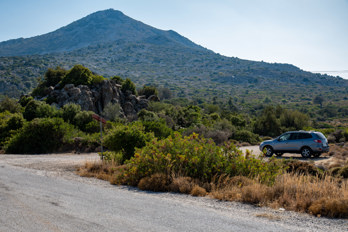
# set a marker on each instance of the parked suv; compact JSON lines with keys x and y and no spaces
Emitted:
{"x":307,"y":143}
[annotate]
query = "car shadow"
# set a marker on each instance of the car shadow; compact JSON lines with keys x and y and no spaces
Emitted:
{"x":303,"y":159}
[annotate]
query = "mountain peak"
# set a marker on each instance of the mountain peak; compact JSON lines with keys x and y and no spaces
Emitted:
{"x":97,"y":28}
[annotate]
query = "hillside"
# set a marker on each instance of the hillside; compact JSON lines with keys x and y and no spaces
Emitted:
{"x":100,"y":27}
{"x":110,"y":43}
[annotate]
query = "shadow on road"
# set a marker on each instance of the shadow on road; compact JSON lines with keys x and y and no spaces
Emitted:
{"x":303,"y":159}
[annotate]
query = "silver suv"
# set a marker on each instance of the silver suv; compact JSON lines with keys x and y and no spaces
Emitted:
{"x":307,"y":143}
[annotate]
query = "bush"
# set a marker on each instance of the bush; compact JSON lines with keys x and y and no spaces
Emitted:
{"x":125,"y":138}
{"x":197,"y":158}
{"x":117,"y":79}
{"x":148,"y":91}
{"x":9,"y":124}
{"x":128,"y":85}
{"x":159,"y":129}
{"x":69,"y":112}
{"x":84,"y":118}
{"x":145,"y":115}
{"x":24,"y":100}
{"x":112,"y":111}
{"x":54,"y":76}
{"x":246,"y":136}
{"x":38,"y":109}
{"x":42,"y":135}
{"x":78,"y":75}
{"x":8,"y":104}
{"x":96,"y":79}
{"x":115,"y":157}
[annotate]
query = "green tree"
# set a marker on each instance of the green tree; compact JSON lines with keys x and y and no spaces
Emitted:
{"x":11,"y":105}
{"x":293,"y":120}
{"x":267,"y":123}
{"x":128,"y":85}
{"x":78,"y":75}
{"x":38,"y":109}
{"x":125,"y":138}
{"x":69,"y":112}
{"x":42,"y":135}
{"x":318,"y":100}
{"x":54,"y":76}
{"x":148,"y":91}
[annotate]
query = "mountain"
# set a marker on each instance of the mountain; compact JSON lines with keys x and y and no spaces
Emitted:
{"x":110,"y":43}
{"x":100,"y":27}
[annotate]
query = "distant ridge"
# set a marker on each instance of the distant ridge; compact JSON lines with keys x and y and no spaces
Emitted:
{"x":97,"y":28}
{"x":110,"y":43}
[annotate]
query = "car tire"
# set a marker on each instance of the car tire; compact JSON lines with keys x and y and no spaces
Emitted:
{"x":306,"y":152}
{"x":268,"y":151}
{"x":279,"y":154}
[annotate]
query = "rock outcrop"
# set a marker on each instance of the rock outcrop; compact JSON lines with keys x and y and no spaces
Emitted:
{"x":99,"y":96}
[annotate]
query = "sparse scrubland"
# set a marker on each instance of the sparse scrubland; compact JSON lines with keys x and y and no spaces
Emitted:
{"x":185,"y":146}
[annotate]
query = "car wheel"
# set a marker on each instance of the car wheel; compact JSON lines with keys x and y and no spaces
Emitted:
{"x":268,"y":151}
{"x":279,"y":154}
{"x":306,"y":152}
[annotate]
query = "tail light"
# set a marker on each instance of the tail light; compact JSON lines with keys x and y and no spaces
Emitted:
{"x":318,"y":141}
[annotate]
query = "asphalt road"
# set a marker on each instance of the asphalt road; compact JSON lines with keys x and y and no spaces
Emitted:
{"x":35,"y":199}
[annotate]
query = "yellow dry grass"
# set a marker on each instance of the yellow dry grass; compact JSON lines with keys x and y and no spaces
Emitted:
{"x":320,"y":196}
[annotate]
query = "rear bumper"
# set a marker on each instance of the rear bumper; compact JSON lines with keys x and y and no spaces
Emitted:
{"x":322,"y":149}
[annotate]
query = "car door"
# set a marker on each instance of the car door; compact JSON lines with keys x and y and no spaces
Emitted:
{"x":293,"y":143}
{"x":282,"y":143}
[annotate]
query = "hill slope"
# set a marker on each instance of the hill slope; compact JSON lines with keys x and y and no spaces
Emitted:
{"x":99,"y":27}
{"x":110,"y":43}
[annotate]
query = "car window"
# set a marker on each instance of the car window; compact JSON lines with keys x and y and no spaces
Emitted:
{"x":320,"y":135}
{"x":294,"y":136}
{"x":307,"y":136}
{"x":284,"y":137}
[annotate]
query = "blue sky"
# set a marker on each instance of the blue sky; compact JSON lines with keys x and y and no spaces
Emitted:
{"x":311,"y":34}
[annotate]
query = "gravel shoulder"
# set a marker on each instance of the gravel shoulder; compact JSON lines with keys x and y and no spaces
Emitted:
{"x":62,"y":201}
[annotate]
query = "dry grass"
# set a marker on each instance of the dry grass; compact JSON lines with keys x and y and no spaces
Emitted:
{"x":100,"y":170}
{"x":318,"y":196}
{"x":321,"y":196}
{"x":157,"y":182}
{"x":268,"y":216}
{"x":198,"y":191}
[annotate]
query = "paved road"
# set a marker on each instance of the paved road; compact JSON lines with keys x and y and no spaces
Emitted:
{"x":36,"y":199}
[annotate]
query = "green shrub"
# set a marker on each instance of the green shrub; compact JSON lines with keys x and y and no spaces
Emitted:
{"x":116,"y":157}
{"x":11,"y":105}
{"x":159,"y":129}
{"x":92,"y":127}
{"x":128,"y":85}
{"x":9,"y":125}
{"x":78,"y":75}
{"x":195,"y":157}
{"x":148,"y":91}
{"x":125,"y":138}
{"x":96,"y":79}
{"x":38,"y":109}
{"x":145,"y":115}
{"x":69,"y":112}
{"x":112,"y":111}
{"x":246,"y":136}
{"x":117,"y":79}
{"x":42,"y":135}
{"x":54,"y":76}
{"x":83,"y":118}
{"x":24,"y":100}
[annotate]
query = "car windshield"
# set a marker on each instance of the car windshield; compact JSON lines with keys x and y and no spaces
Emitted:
{"x":284,"y":137}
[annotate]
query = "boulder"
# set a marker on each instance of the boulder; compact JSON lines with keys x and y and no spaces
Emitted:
{"x":91,"y":98}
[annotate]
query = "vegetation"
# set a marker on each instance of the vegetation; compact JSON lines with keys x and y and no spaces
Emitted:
{"x":184,"y":145}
